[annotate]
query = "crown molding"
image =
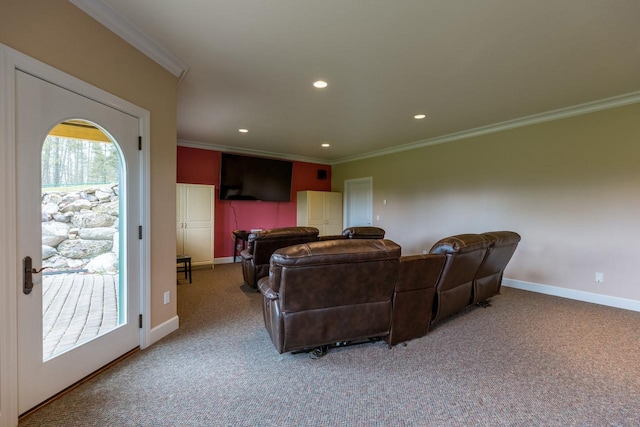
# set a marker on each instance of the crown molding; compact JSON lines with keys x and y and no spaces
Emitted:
{"x":562,"y":113}
{"x":576,"y":110}
{"x":239,"y":150}
{"x":104,"y":14}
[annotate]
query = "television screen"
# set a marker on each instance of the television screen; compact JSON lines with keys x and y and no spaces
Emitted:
{"x":255,"y":178}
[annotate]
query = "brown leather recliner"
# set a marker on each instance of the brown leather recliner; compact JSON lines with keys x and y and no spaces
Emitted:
{"x":261,"y":244}
{"x":489,"y":276}
{"x":363,"y":232}
{"x":413,"y":296}
{"x":329,"y":291}
{"x":464,"y":254}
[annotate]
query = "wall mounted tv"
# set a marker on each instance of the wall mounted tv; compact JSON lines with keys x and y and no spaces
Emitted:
{"x":255,"y":178}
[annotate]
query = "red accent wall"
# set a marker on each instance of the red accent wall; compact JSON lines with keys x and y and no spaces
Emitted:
{"x":197,"y":166}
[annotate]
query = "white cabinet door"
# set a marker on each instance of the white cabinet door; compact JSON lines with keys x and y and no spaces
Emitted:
{"x":333,"y":213}
{"x":195,"y":222}
{"x":179,"y":221}
{"x":315,"y":207}
{"x":320,"y":209}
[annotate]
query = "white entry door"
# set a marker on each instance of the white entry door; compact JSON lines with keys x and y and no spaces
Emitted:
{"x":358,"y":202}
{"x":43,"y":372}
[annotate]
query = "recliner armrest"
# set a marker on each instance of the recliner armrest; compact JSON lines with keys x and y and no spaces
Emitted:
{"x":246,"y":255}
{"x":419,"y":272}
{"x":264,"y":286}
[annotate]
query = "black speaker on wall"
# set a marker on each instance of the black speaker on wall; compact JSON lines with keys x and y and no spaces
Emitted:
{"x":322,"y":174}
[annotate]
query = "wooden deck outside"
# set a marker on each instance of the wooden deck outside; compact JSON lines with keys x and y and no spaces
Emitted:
{"x":77,"y":308}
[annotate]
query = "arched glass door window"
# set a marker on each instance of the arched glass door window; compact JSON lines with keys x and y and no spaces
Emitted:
{"x":83,"y":285}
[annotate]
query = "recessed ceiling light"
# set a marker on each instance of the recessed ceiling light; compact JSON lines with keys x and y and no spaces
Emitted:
{"x":419,"y":116}
{"x":326,"y":144}
{"x":243,"y":130}
{"x":320,"y":84}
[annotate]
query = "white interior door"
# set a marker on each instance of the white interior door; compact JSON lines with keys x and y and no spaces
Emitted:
{"x":358,"y":202}
{"x":40,"y":106}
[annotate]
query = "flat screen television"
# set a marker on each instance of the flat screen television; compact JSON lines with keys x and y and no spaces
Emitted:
{"x":255,"y":178}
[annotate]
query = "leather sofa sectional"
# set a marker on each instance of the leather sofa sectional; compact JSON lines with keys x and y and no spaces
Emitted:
{"x":261,"y":244}
{"x":332,"y":292}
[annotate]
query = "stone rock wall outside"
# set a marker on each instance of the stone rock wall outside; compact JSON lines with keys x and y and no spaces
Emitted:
{"x":80,"y":230}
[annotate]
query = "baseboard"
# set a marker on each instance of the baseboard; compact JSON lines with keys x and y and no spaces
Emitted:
{"x":225,"y":260}
{"x":164,"y":329}
{"x":624,"y":303}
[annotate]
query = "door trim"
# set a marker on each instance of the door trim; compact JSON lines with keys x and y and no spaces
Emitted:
{"x":8,"y":256}
{"x":10,"y":60}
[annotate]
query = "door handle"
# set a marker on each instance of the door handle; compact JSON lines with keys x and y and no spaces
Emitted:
{"x":28,"y":271}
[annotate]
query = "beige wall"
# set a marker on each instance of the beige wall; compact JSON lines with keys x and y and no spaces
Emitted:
{"x":59,"y":34}
{"x":569,"y":187}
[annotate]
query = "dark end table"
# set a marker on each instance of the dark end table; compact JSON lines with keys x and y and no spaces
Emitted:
{"x":185,"y":268}
{"x":241,"y":237}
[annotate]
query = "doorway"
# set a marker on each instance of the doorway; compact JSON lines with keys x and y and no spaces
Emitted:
{"x":358,"y":202}
{"x":42,"y":108}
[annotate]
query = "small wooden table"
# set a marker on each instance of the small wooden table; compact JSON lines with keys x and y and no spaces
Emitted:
{"x":241,"y":238}
{"x":185,"y":268}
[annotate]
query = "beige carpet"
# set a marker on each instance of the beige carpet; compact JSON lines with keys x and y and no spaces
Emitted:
{"x":529,"y":360}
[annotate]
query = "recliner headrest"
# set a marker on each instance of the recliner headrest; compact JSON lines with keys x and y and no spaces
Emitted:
{"x":279,"y":233}
{"x":502,"y":238}
{"x":364,"y":233}
{"x":460,"y":243}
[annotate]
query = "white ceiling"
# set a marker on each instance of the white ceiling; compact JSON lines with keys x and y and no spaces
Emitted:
{"x":463,"y":63}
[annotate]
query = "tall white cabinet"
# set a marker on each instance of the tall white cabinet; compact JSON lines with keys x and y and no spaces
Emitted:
{"x":320,"y":209}
{"x":194,"y":222}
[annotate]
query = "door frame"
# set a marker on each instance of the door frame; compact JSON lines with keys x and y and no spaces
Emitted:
{"x":10,"y":265}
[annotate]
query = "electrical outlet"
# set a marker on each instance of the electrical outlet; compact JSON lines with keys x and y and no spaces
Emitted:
{"x":599,"y":277}
{"x":167,"y":297}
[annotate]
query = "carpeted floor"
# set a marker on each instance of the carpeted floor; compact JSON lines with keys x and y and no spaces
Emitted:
{"x":528,"y":360}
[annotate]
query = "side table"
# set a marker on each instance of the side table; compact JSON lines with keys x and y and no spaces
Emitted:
{"x":185,"y":268}
{"x":241,"y":238}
